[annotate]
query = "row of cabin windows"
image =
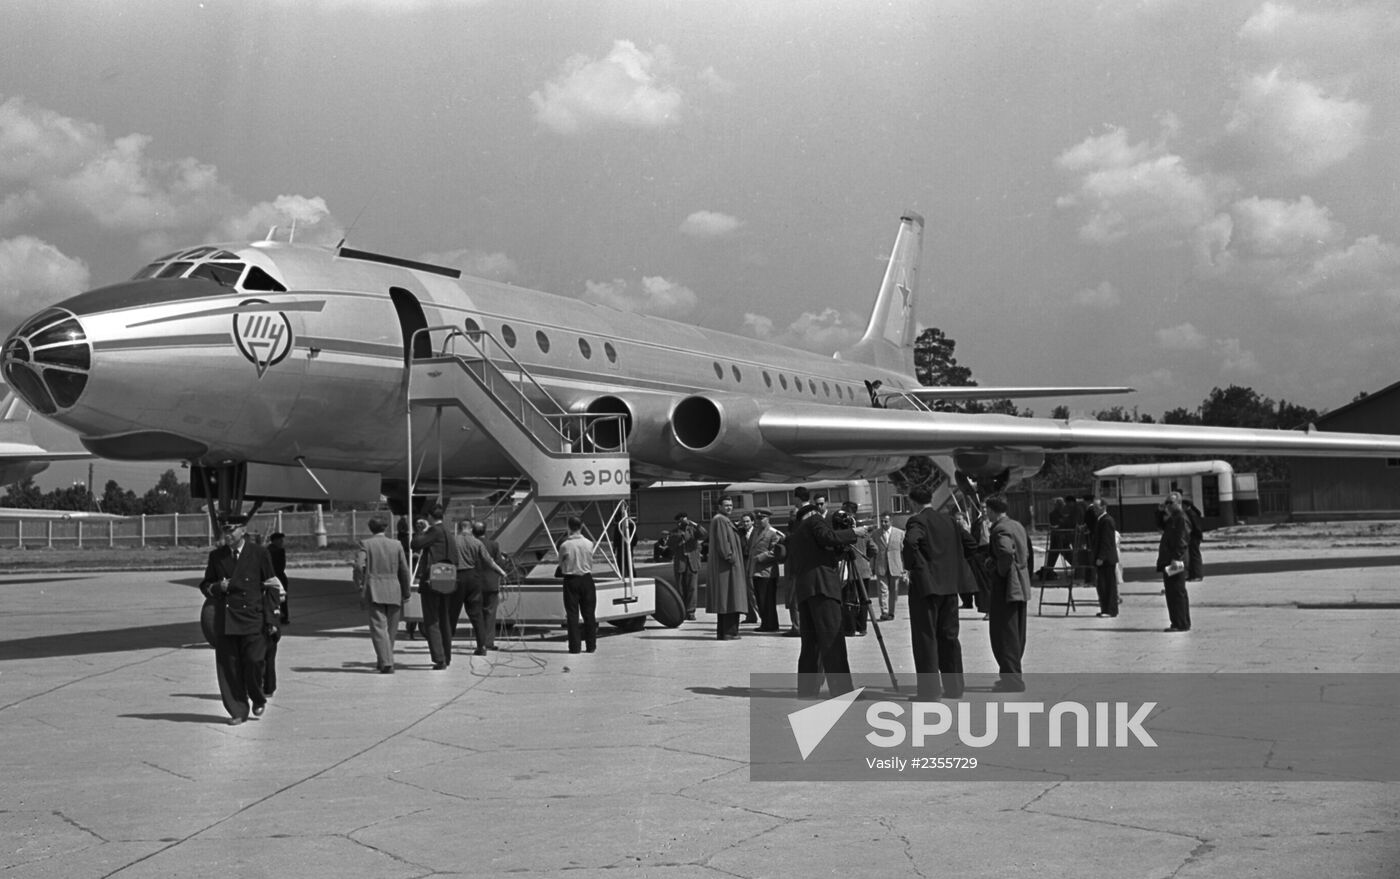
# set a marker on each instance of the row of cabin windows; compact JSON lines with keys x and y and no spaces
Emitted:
{"x":828,"y":388}
{"x":542,"y":342}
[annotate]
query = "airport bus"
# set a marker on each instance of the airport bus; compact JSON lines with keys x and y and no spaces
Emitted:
{"x":1133,"y":492}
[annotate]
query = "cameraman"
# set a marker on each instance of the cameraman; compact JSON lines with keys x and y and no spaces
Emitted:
{"x":814,"y":551}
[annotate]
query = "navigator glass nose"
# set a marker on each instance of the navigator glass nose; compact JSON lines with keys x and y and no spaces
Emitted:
{"x":47,"y":361}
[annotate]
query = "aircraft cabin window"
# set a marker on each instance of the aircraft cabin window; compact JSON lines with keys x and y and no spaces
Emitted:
{"x":738,"y":376}
{"x":508,"y":335}
{"x":767,"y":380}
{"x":260,"y":280}
{"x":542,"y":340}
{"x":472,"y":327}
{"x":224,"y":274}
{"x":719,"y":370}
{"x":812,"y":383}
{"x":585,"y":349}
{"x":609,"y":350}
{"x":826,"y":389}
{"x":174,"y":270}
{"x":782,"y":380}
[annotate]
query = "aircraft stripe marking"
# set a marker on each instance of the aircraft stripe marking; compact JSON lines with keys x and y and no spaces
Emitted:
{"x":310,"y":306}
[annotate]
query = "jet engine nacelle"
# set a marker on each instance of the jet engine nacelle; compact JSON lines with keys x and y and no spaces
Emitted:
{"x":695,"y":434}
{"x":988,"y":463}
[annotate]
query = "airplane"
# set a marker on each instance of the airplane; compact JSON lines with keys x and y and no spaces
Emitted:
{"x":20,"y":456}
{"x":280,"y":370}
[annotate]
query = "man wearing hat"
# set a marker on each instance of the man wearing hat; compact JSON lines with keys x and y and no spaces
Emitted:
{"x":763,"y":569}
{"x":685,"y":560}
{"x":240,"y":581}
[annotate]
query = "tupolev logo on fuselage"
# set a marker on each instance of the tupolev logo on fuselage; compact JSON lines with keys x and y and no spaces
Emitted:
{"x":263,"y":337}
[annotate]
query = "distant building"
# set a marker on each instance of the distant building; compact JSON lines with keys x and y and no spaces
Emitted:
{"x":1351,"y":488}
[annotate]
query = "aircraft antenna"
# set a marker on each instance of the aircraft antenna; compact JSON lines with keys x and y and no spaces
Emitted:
{"x":344,"y":236}
{"x":271,"y":232}
{"x":293,"y":233}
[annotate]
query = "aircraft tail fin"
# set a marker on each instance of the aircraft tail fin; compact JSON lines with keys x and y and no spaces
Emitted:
{"x":888,"y":342}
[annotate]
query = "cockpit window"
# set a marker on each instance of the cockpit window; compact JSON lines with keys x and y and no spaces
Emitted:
{"x":148,"y":272}
{"x":260,"y":280}
{"x":195,"y":252}
{"x":224,"y":274}
{"x":174,"y":270}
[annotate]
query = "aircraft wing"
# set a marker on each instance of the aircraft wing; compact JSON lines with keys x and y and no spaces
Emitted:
{"x":819,"y":431}
{"x":975,"y":392}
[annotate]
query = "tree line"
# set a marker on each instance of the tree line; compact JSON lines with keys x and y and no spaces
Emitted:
{"x":936,"y":365}
{"x":168,"y":495}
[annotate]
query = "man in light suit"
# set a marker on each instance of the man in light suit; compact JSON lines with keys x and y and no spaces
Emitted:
{"x":936,"y":548}
{"x":235,"y":578}
{"x":1011,"y":589}
{"x":763,"y":570}
{"x":381,"y":571}
{"x":888,"y":564}
{"x":1103,"y":549}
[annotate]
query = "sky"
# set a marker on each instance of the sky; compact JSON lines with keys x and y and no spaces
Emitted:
{"x":1165,"y":194}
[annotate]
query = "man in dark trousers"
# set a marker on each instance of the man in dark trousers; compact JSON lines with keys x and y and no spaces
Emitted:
{"x":685,"y":560}
{"x":278,"y":551}
{"x":813,"y":552}
{"x":235,"y":578}
{"x":1103,"y":550}
{"x":490,"y":583}
{"x":1011,"y":590}
{"x":936,"y":548}
{"x":440,"y":609}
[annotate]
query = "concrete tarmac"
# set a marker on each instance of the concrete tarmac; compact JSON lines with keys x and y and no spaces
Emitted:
{"x":116,"y":759}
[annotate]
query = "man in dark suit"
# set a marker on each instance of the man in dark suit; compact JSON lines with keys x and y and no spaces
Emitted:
{"x":235,"y":577}
{"x":440,"y":609}
{"x":1103,"y":549}
{"x":813,"y":551}
{"x":935,"y":551}
{"x":1010,"y":593}
{"x":685,"y":560}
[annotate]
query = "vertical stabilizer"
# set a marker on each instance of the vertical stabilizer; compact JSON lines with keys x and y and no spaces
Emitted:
{"x":889,"y":337}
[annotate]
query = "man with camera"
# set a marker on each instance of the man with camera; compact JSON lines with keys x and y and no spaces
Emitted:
{"x":240,"y":581}
{"x":814,"y":554}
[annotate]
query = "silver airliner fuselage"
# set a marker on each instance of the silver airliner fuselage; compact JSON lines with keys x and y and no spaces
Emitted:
{"x":202,"y":367}
{"x":291,"y":358}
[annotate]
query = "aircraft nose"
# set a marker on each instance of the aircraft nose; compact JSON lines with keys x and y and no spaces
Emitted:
{"x":47,"y":360}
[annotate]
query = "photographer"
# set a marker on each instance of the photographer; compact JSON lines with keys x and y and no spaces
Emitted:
{"x":814,"y":552}
{"x":858,"y":575}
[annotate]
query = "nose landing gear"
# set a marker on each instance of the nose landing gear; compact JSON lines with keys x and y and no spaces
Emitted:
{"x":223,"y":485}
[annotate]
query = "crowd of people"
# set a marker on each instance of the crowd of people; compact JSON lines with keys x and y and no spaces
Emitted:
{"x":831,"y":574}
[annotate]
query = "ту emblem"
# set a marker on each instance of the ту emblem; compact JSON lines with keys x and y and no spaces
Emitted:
{"x":264,"y":337}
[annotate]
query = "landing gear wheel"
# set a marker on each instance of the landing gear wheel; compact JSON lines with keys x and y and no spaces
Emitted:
{"x":670,"y":609}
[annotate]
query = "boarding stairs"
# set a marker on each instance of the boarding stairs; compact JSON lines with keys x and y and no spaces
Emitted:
{"x":562,"y":471}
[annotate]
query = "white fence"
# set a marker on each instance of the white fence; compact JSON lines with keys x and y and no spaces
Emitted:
{"x":177,"y":529}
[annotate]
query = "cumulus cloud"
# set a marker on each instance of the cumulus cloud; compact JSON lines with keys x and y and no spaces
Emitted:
{"x":710,"y":224}
{"x":496,"y":266}
{"x":1325,"y":34}
{"x":1138,"y":190}
{"x":309,"y":217}
{"x":1184,"y":337}
{"x":825,"y":331}
{"x":55,"y":166}
{"x":655,"y":295}
{"x":33,"y":274}
{"x":1274,"y":227}
{"x":1105,"y":295}
{"x":627,"y":87}
{"x":1294,"y":126}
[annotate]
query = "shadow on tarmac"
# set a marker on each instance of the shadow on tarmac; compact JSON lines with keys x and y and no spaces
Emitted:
{"x":1270,"y":566}
{"x":181,"y":718}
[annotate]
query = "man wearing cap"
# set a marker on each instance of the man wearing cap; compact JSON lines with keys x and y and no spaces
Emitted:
{"x":763,"y":569}
{"x":235,"y":577}
{"x":685,"y":560}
